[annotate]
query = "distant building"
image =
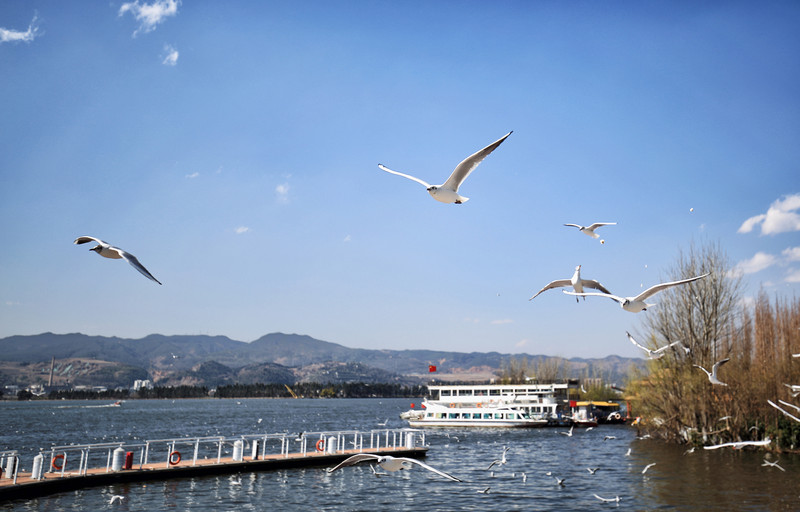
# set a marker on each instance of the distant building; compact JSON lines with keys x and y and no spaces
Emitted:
{"x":142,"y":384}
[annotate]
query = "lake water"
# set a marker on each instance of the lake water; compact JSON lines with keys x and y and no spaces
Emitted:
{"x":704,"y":480}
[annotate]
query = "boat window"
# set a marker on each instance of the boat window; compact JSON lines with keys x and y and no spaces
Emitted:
{"x":487,"y":415}
{"x":453,"y":415}
{"x":498,"y":415}
{"x":494,"y":392}
{"x":464,"y":392}
{"x":445,"y":392}
{"x":480,"y":392}
{"x":476,"y":415}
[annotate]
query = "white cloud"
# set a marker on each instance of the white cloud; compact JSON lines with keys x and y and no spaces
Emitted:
{"x":521,"y":343}
{"x":15,"y":36}
{"x":757,"y":263}
{"x":193,"y":175}
{"x":781,"y":217}
{"x":502,"y":321}
{"x":150,"y":15}
{"x":171,"y":57}
{"x":791,"y":253}
{"x":242,"y":230}
{"x":793,"y":276}
{"x":283,"y":192}
{"x":347,"y":238}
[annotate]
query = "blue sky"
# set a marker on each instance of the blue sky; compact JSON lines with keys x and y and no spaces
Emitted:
{"x":233,"y":148}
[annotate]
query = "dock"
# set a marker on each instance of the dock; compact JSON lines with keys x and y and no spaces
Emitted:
{"x":72,"y":467}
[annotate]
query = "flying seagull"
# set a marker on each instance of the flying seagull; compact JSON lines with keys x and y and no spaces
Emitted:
{"x":783,"y":411}
{"x":648,"y":467}
{"x":607,"y":500}
{"x":560,"y":481}
{"x":589,"y":230}
{"x":795,"y":389}
{"x":448,"y":191}
{"x":637,"y":303}
{"x":568,"y":434}
{"x":712,"y":375}
{"x":116,"y":497}
{"x":501,"y":460}
{"x":653,"y":354}
{"x":592,"y":470}
{"x":109,"y":251}
{"x":576,"y":282}
{"x":773,"y":464}
{"x":739,"y":445}
{"x":389,"y":463}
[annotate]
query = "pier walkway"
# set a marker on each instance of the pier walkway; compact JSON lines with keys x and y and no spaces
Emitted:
{"x":67,"y":468}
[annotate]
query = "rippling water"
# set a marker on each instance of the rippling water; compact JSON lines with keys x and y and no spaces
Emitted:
{"x":703,"y":480}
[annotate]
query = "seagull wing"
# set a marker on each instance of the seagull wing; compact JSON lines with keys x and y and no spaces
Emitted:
{"x":665,"y":347}
{"x":469,"y":164}
{"x":704,"y":370}
{"x":637,"y":344}
{"x":575,"y":226}
{"x":355,"y":459}
{"x":85,"y":239}
{"x":607,"y":295}
{"x":441,"y":473}
{"x":659,"y":287}
{"x":553,"y":284}
{"x":770,"y":402}
{"x":130,"y":258}
{"x":591,"y":283}
{"x":600,"y":224}
{"x":384,"y":168}
{"x":718,"y":364}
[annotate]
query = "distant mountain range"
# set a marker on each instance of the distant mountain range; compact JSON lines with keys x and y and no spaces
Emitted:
{"x":276,"y":357}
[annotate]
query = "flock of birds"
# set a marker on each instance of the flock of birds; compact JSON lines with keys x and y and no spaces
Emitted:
{"x":393,"y":464}
{"x":448,"y":193}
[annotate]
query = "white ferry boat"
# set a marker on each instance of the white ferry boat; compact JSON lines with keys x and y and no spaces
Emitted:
{"x":489,"y":405}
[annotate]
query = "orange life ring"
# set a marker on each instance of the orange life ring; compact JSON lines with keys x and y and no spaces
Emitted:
{"x":320,"y":445}
{"x":53,"y":462}
{"x":480,"y":404}
{"x":172,"y":458}
{"x":452,"y":406}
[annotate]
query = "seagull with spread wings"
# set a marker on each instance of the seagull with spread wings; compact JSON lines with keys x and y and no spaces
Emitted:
{"x":448,"y":191}
{"x":653,"y":354}
{"x":712,"y":375}
{"x":637,"y":303}
{"x":576,"y":282}
{"x":389,"y":463}
{"x":107,"y":250}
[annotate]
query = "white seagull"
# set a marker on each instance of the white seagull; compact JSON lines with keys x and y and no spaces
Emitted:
{"x":389,"y":463}
{"x":589,"y":230}
{"x":795,"y":389}
{"x":576,"y":282}
{"x":116,"y":497}
{"x":783,"y":411}
{"x":773,"y":464}
{"x":568,"y":434}
{"x":637,"y":303}
{"x":648,"y":467}
{"x":739,"y":445}
{"x":592,"y":470}
{"x":109,"y":251}
{"x":501,"y":461}
{"x":607,"y":500}
{"x":653,"y":354}
{"x":712,"y":375}
{"x":448,"y":191}
{"x":560,"y":481}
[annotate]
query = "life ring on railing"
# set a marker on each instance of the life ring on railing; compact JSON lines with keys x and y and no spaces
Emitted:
{"x":55,"y":459}
{"x":452,"y":405}
{"x":174,"y":458}
{"x":320,"y":445}
{"x":480,"y":404}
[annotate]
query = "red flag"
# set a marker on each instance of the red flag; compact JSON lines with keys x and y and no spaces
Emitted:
{"x":431,"y":368}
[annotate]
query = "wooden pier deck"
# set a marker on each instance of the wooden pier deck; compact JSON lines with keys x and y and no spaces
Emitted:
{"x":24,"y":486}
